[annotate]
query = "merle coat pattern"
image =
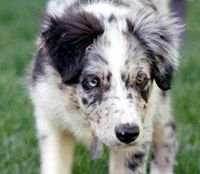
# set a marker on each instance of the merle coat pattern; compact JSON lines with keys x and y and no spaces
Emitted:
{"x":102,"y":71}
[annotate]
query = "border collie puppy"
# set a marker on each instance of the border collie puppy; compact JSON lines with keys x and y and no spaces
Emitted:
{"x":101,"y":75}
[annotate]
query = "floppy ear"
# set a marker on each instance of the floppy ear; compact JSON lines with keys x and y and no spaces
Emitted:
{"x":159,"y":34}
{"x":66,"y":39}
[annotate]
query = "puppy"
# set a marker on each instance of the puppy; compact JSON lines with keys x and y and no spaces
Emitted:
{"x":101,"y":72}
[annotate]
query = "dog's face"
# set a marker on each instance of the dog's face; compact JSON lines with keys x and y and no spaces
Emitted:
{"x":112,"y":63}
{"x":114,"y":85}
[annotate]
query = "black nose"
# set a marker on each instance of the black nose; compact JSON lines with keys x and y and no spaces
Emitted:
{"x":127,"y":133}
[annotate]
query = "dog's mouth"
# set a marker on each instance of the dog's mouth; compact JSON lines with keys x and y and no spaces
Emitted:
{"x":122,"y":145}
{"x":97,"y":147}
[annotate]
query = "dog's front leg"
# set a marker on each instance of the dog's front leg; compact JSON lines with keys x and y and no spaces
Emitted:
{"x":164,"y":148}
{"x":128,"y":162}
{"x":56,"y":148}
{"x":164,"y":140}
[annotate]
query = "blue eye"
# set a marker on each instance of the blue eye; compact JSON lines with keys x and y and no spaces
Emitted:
{"x":93,"y":82}
{"x":90,"y":83}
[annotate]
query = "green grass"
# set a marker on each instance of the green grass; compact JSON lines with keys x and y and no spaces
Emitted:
{"x":19,"y":21}
{"x":186,"y":94}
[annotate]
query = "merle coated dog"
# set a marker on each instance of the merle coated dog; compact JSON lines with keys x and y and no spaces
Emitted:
{"x":101,"y":72}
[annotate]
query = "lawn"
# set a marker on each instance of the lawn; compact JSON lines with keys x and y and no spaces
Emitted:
{"x":19,"y":21}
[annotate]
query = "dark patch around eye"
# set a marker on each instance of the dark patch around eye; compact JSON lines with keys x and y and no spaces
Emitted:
{"x":97,"y":97}
{"x":145,"y":94}
{"x":85,"y":85}
{"x":143,"y":88}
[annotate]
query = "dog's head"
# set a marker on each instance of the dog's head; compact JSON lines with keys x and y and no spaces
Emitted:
{"x":112,"y":62}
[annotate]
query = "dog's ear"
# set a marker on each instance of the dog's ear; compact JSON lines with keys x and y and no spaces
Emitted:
{"x":66,"y":39}
{"x":159,"y":35}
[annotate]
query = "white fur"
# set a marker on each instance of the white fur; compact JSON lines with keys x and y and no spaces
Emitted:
{"x":108,"y":9}
{"x":57,"y":7}
{"x":54,"y":105}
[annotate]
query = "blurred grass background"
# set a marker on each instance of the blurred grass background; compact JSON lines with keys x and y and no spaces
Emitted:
{"x":19,"y":21}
